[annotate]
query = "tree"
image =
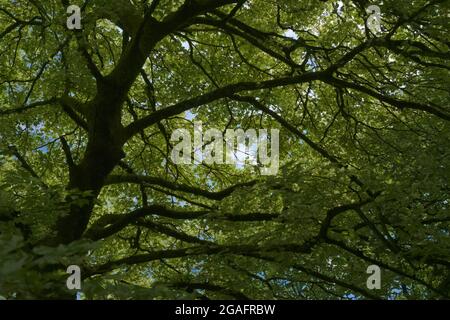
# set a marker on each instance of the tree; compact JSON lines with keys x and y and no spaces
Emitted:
{"x":88,"y":179}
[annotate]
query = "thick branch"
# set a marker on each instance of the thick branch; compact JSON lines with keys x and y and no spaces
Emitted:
{"x":218,"y":94}
{"x":219,"y":195}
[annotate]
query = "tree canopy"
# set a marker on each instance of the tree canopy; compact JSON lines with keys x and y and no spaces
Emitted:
{"x":87,"y":177}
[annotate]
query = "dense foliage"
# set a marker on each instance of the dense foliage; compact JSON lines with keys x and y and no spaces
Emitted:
{"x":87,"y":177}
